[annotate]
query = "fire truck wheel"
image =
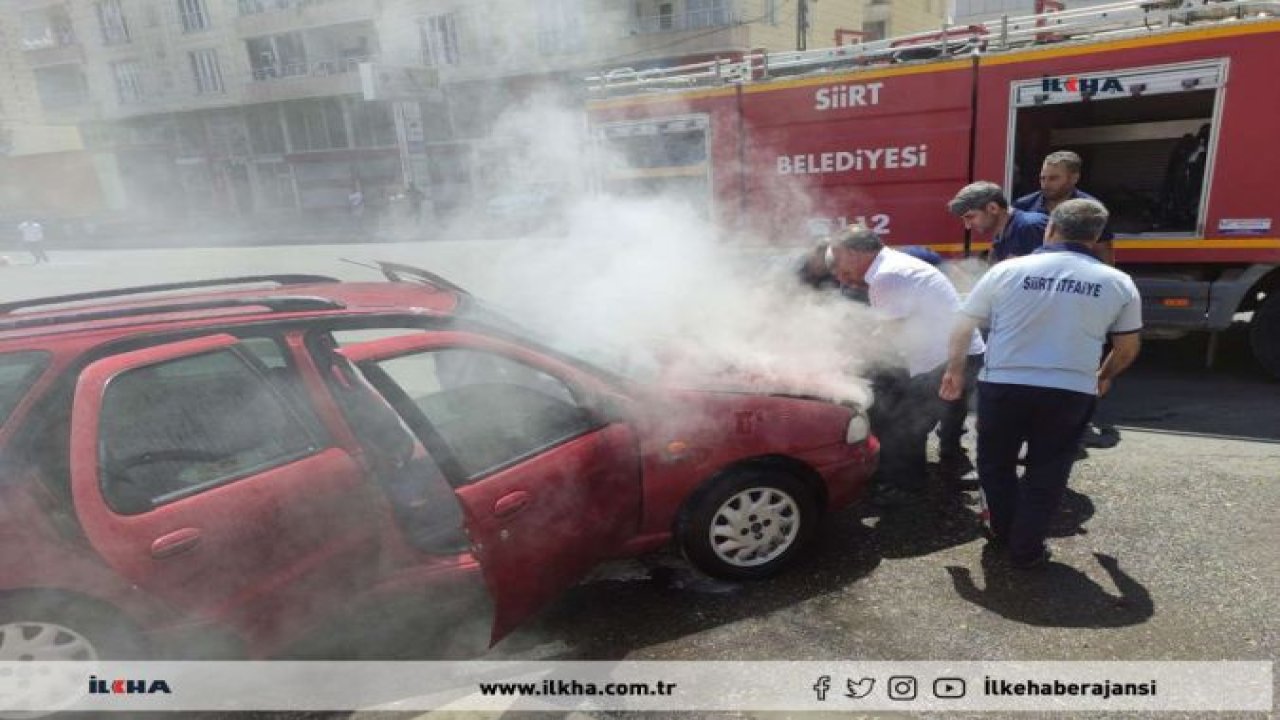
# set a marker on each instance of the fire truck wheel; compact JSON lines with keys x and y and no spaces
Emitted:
{"x":1264,"y":333}
{"x":748,"y":524}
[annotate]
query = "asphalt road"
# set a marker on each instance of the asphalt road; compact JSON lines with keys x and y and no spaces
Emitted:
{"x":1165,"y":549}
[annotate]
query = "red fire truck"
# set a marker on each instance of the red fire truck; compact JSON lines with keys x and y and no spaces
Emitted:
{"x":1173,"y":108}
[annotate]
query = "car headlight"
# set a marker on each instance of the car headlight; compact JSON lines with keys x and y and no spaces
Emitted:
{"x":859,"y":428}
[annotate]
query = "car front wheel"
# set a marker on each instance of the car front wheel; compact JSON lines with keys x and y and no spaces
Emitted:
{"x":749,"y":524}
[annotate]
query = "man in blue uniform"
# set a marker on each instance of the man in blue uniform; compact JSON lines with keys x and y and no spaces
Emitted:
{"x":1048,"y":314}
{"x":984,"y":208}
{"x":1059,"y":176}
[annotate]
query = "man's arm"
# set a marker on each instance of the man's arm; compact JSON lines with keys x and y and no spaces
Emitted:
{"x":1124,"y":350}
{"x":957,"y":355}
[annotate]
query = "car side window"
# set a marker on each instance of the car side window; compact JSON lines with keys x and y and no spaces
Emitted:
{"x":17,"y":373}
{"x":179,"y":427}
{"x":488,"y":410}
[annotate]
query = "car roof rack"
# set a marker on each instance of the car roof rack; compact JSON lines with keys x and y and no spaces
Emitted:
{"x":295,"y":279}
{"x":400,"y":272}
{"x":279,"y":303}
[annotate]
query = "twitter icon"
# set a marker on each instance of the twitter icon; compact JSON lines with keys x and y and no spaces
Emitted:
{"x":859,"y":688}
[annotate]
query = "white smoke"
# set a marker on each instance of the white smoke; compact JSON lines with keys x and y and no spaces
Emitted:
{"x":649,"y":285}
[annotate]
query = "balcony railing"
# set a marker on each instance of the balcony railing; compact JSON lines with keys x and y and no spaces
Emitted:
{"x":313,"y":68}
{"x":713,"y":17}
{"x":49,"y":39}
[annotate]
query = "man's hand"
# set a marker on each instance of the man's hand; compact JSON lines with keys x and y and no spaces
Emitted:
{"x":1104,"y":386}
{"x":952,"y":385}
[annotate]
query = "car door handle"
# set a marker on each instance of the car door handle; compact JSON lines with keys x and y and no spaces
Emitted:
{"x":175,"y":543}
{"x":511,"y":504}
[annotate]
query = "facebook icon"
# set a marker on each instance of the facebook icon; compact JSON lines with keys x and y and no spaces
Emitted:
{"x":822,"y":687}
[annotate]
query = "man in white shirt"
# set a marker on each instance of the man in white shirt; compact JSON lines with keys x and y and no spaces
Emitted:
{"x":33,"y":239}
{"x":916,"y":302}
{"x":1049,"y":314}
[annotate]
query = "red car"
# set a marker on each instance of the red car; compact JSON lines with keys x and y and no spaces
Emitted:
{"x":262,"y":466}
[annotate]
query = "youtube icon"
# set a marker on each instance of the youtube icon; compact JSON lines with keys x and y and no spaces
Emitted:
{"x":948,"y":688}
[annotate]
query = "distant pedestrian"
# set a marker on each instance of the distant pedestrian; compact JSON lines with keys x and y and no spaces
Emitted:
{"x":355,"y":206}
{"x":985,"y":209}
{"x":913,"y":300}
{"x":416,"y":198}
{"x":1049,"y":314}
{"x":33,"y":240}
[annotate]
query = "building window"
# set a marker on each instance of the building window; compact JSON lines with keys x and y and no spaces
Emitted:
{"x":708,"y":13}
{"x":560,"y":26}
{"x":372,"y":124}
{"x":193,"y":15}
{"x":115,"y":30}
{"x":60,"y":86}
{"x":277,"y":56}
{"x":205,"y":71}
{"x":128,"y":77}
{"x":771,"y":11}
{"x":439,"y":38}
{"x":316,"y":124}
{"x":879,"y":2}
{"x":266,"y":135}
{"x":666,"y":16}
{"x":872,"y":31}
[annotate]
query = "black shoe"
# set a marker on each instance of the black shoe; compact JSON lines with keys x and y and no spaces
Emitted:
{"x":1035,"y":563}
{"x":1081,"y":453}
{"x":1100,"y":436}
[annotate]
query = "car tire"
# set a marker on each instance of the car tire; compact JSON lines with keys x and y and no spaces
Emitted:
{"x":1264,"y":333}
{"x":55,"y":626}
{"x":749,"y":524}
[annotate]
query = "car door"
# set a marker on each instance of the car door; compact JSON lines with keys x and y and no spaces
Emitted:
{"x":548,"y":485}
{"x":195,"y":479}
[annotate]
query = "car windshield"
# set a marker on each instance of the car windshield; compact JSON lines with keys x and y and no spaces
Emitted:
{"x":17,"y":373}
{"x":595,"y":355}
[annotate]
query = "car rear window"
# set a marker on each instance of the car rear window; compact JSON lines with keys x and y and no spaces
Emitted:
{"x":17,"y":373}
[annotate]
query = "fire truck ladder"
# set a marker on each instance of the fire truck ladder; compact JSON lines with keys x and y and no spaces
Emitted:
{"x":1130,"y":17}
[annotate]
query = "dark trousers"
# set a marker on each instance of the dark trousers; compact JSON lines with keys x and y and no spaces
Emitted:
{"x":951,"y":429}
{"x":1050,"y":421}
{"x":904,"y":413}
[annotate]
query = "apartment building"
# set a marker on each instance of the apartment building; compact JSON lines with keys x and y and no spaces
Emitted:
{"x":255,"y":107}
{"x":31,"y":145}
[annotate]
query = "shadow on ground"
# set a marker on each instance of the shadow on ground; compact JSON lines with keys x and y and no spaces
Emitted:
{"x":1170,"y":390}
{"x":1055,"y":595}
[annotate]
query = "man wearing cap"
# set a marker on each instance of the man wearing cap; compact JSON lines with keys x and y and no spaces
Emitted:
{"x":1048,"y":314}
